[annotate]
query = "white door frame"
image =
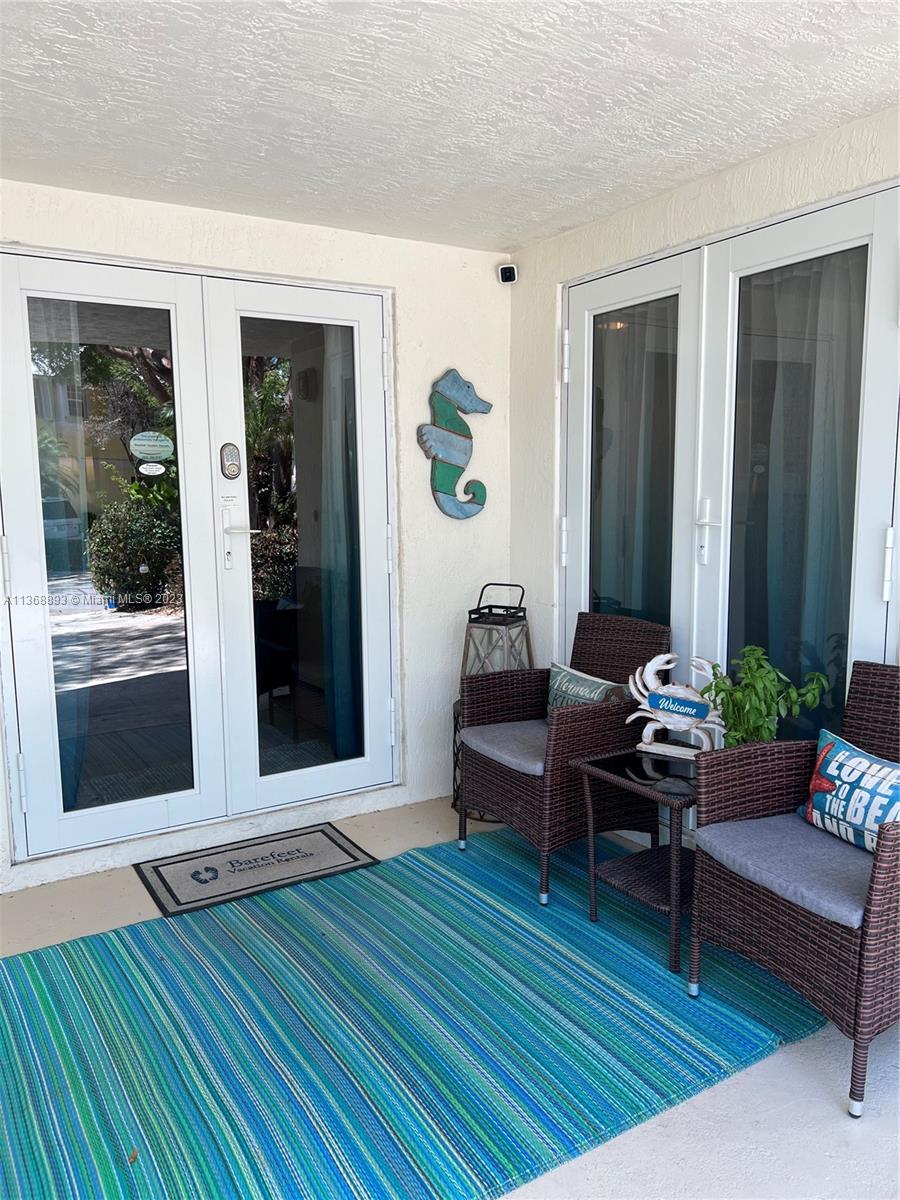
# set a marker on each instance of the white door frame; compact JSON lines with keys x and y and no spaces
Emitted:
{"x":676,"y":275}
{"x":40,"y":826}
{"x":227,"y":301}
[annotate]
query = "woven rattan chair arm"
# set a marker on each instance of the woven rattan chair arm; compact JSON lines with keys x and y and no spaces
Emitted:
{"x":884,"y":885}
{"x":586,"y":731}
{"x":761,"y":780}
{"x":878,"y":991}
{"x":503,"y":696}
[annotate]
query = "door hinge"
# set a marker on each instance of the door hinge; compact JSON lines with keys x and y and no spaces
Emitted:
{"x":4,"y":566}
{"x":566,"y":356}
{"x":389,"y":537}
{"x":563,"y":541}
{"x":887,"y":575}
{"x":23,"y":790}
{"x":393,"y":722}
{"x":384,"y":364}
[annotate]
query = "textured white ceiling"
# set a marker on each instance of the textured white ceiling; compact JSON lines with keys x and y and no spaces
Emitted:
{"x":487,"y":124}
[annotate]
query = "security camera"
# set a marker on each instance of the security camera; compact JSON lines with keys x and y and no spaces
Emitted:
{"x":508,"y":273}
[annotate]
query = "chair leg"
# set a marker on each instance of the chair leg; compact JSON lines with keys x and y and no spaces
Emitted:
{"x":544,"y":896}
{"x":463,"y":824}
{"x":858,"y":1078}
{"x":694,"y":967}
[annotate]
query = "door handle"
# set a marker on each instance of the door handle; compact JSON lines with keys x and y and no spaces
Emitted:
{"x":227,"y":530}
{"x":704,"y":508}
{"x":704,"y":521}
{"x":887,"y":574}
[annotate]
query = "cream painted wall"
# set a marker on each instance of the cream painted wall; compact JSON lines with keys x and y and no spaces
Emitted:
{"x":449,"y":310}
{"x":852,"y":156}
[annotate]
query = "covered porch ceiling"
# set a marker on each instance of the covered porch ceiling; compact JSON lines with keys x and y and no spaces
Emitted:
{"x":488,"y":125}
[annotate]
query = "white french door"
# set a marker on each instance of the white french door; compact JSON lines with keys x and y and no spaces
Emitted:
{"x":798,"y":451}
{"x":161,"y":664}
{"x":783,"y":486}
{"x":108,"y":715}
{"x":631,"y":444}
{"x":307,"y":649}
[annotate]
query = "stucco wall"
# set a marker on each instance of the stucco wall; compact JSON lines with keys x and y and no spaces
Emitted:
{"x":852,"y":156}
{"x":449,"y":310}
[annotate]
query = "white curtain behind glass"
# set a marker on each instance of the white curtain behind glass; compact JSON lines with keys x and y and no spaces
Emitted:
{"x":632,"y":459}
{"x":796,"y":431}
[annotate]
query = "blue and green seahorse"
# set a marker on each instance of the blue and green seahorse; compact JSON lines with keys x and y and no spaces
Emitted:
{"x":448,"y":443}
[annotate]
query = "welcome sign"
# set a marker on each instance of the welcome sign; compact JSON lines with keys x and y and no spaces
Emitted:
{"x":679,"y":706}
{"x":670,"y":707}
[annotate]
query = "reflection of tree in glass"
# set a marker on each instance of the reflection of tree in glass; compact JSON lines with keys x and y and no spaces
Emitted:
{"x":131,"y":391}
{"x":134,"y":547}
{"x":269,"y":428}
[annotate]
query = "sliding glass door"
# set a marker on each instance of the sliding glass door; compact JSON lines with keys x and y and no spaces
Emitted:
{"x":196,"y":551}
{"x":758,"y":507}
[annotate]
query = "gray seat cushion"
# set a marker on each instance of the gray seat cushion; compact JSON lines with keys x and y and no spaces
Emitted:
{"x":517,"y":744}
{"x":796,"y":861}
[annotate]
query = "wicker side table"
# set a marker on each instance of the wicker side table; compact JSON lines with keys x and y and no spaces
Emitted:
{"x":663,"y":876}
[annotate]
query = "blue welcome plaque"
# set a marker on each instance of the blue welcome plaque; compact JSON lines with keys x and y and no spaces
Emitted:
{"x":679,"y":706}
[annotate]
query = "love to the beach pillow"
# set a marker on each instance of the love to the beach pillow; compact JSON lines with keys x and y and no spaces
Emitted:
{"x":851,"y":792}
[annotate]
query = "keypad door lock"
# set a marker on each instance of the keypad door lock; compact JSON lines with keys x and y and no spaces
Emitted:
{"x":230,"y":458}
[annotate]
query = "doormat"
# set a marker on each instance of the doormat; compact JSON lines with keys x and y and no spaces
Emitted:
{"x":185,"y":882}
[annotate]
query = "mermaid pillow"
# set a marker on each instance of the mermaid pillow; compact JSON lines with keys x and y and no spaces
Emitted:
{"x":568,"y":687}
{"x":851,"y":792}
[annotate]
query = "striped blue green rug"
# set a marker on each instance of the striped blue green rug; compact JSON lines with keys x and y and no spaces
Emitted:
{"x":420,"y":1029}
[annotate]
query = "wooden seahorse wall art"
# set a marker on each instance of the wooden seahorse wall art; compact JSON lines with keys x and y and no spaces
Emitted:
{"x":448,"y":443}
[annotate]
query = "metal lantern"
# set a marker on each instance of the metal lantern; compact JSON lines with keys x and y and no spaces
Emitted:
{"x":497,"y":637}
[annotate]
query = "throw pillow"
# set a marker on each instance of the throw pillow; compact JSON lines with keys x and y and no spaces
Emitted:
{"x":568,"y":686}
{"x":851,"y":792}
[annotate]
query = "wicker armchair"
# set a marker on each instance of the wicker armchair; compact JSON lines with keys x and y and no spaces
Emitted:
{"x":851,"y":973}
{"x":546,"y":803}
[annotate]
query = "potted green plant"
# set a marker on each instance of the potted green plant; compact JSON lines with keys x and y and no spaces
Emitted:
{"x":752,"y":702}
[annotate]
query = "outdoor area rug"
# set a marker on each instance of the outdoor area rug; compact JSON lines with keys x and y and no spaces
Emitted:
{"x":422,"y":1029}
{"x":184,"y":882}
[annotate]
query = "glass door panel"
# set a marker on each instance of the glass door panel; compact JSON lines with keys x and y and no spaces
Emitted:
{"x":107,"y":447}
{"x":109,"y":535}
{"x":630,"y":444}
{"x":303,"y":500}
{"x":797,"y":401}
{"x":635,"y":359}
{"x":305,"y":589}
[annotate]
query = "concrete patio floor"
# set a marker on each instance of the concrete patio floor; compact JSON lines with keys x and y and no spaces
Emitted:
{"x":777,"y":1131}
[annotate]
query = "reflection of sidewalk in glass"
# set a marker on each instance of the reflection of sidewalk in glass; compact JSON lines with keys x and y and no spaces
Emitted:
{"x":93,"y":644}
{"x":123,"y":703}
